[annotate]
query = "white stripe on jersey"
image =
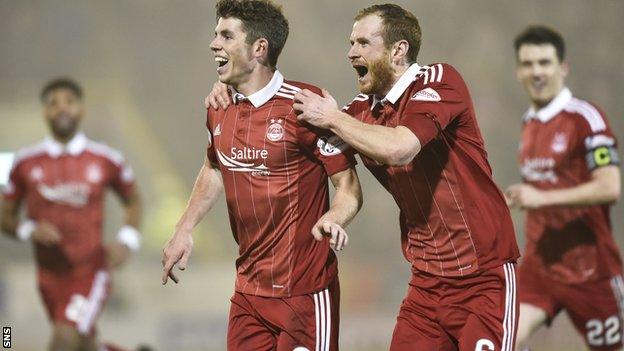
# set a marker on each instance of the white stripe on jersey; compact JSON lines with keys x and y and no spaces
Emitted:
{"x":104,"y":150}
{"x":94,"y":302}
{"x":289,"y":91}
{"x":289,"y":96}
{"x":440,"y":70}
{"x":28,"y":152}
{"x":509,"y":320}
{"x":292,"y":87}
{"x":589,"y":112}
{"x":322,"y":312}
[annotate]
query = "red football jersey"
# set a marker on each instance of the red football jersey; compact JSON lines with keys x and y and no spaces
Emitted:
{"x":64,"y":185}
{"x":561,"y":145}
{"x":454,"y":219}
{"x":275,"y":178}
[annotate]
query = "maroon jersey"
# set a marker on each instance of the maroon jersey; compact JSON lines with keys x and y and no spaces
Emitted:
{"x":275,"y":178}
{"x":65,"y":185}
{"x":454,"y":219}
{"x":561,"y":145}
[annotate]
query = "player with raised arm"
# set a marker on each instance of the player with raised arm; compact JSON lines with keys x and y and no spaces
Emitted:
{"x":415,"y":129}
{"x":570,"y":178}
{"x":274,"y":171}
{"x":62,"y":182}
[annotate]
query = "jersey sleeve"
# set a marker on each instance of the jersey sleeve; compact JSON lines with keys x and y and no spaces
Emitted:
{"x":330,"y":150}
{"x":597,"y":141}
{"x":436,"y":101}
{"x":210,"y":153}
{"x":123,"y":179}
{"x":16,"y":185}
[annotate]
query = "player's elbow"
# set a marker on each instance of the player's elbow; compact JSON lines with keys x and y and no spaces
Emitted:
{"x":400,"y":156}
{"x":402,"y":149}
{"x":612,"y":192}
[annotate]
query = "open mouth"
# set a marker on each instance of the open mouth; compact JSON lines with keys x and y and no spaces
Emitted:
{"x":221,"y":61}
{"x":361,"y":70}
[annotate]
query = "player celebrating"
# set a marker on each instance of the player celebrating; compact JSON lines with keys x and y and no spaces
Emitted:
{"x":62,"y":181}
{"x":570,"y":178}
{"x":416,"y":131}
{"x":274,"y":171}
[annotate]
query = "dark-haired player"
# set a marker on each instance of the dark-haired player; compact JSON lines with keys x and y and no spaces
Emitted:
{"x":416,"y":131}
{"x":275,"y":174}
{"x":62,"y":182}
{"x":570,"y":173}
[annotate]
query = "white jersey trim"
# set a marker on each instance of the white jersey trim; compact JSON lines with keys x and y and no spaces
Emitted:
{"x":589,"y":112}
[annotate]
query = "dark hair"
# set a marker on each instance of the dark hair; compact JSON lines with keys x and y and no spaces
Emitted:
{"x":61,"y":83}
{"x":541,"y":35}
{"x":399,"y":24}
{"x":261,"y":19}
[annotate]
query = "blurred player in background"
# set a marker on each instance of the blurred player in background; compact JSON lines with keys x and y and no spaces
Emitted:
{"x":275,"y":174}
{"x":570,"y":174}
{"x":416,"y":131}
{"x":62,"y":182}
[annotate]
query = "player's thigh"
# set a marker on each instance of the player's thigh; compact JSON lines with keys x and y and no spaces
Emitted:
{"x":77,"y":301}
{"x":484,"y":315}
{"x":531,"y":319}
{"x":595,"y":310}
{"x":245,"y":331}
{"x":415,"y":328}
{"x":309,"y":322}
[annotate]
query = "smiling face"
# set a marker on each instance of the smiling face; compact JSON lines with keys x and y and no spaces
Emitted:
{"x":233,"y":55}
{"x":540,"y":72}
{"x":370,"y":57}
{"x":63,"y":112}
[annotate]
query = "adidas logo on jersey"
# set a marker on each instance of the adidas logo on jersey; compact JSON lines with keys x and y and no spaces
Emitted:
{"x":427,"y":94}
{"x":217,"y":130}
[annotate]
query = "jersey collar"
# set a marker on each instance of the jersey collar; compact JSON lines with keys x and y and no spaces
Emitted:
{"x":553,"y":108}
{"x":263,"y":95}
{"x":399,"y":87}
{"x":74,"y":147}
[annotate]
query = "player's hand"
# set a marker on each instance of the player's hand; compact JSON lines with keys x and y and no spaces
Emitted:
{"x":524,"y":196}
{"x":177,"y":250}
{"x":338,"y":238}
{"x":218,"y":97}
{"x":46,"y":234}
{"x":315,"y":109}
{"x":117,"y":254}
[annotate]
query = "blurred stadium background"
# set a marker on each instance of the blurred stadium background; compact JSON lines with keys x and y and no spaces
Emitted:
{"x":146,"y":67}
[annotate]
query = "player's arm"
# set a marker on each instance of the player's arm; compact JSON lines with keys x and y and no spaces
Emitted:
{"x":207,"y":188}
{"x":602,"y":188}
{"x":128,"y":237}
{"x":10,"y":217}
{"x":345,"y":204}
{"x":41,"y":232}
{"x":370,"y":140}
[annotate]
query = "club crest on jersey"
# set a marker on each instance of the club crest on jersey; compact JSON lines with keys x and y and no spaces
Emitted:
{"x":94,"y":173}
{"x":427,"y":94}
{"x":330,"y":146}
{"x":559,"y":143}
{"x":275,"y":132}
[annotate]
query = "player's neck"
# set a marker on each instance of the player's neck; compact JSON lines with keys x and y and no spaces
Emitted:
{"x":539,"y":104}
{"x":258,"y":79}
{"x":398,"y":72}
{"x":64,"y":139}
